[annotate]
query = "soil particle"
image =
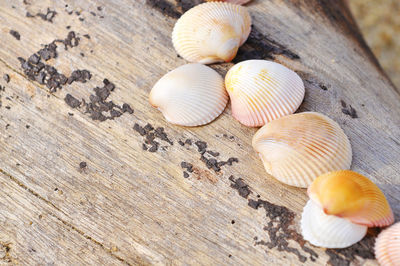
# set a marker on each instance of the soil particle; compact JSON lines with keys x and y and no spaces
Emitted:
{"x":185,"y":174}
{"x":363,"y":249}
{"x":6,"y":78}
{"x":180,"y":142}
{"x":278,"y":228}
{"x":201,"y":146}
{"x":260,"y":46}
{"x":72,"y":101}
{"x":151,"y":134}
{"x":49,"y":16}
{"x":79,"y":76}
{"x":97,"y":107}
{"x":15,"y":34}
{"x":82,"y":165}
{"x":240,"y":186}
{"x":46,"y":74}
{"x":348,"y":110}
{"x":323,"y":87}
{"x":87,"y":36}
{"x":172,"y":10}
{"x":187,"y":166}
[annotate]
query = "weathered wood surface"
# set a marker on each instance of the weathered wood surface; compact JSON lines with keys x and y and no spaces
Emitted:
{"x":131,"y":206}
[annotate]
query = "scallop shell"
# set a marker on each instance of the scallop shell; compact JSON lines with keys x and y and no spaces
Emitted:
{"x":262,"y":91}
{"x":237,"y":2}
{"x":387,"y":246}
{"x":211,"y":32}
{"x":298,"y":148}
{"x":190,"y":95}
{"x":328,"y":231}
{"x":349,"y":195}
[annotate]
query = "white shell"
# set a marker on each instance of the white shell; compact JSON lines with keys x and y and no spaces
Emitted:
{"x":262,"y":91}
{"x":211,"y":32}
{"x":190,"y":95}
{"x":297,"y":148}
{"x":237,"y":2}
{"x":387,"y":246}
{"x":329,"y":231}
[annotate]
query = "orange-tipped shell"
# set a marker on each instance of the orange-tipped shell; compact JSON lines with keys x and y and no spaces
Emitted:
{"x":349,"y":195}
{"x":211,"y":32}
{"x":387,"y":246}
{"x":296,"y":149}
{"x":262,"y":91}
{"x":328,"y":231}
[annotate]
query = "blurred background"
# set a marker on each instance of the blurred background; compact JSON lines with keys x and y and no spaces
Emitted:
{"x":379,"y":21}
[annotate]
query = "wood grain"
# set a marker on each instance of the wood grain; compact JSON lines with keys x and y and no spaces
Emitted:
{"x":133,"y":206}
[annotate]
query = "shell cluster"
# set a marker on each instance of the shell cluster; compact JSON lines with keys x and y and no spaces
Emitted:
{"x":307,"y":150}
{"x":342,"y":205}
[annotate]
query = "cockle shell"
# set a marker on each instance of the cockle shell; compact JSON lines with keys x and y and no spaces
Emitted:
{"x":237,"y":2}
{"x":328,"y":231}
{"x":296,"y":149}
{"x":190,"y":95}
{"x":211,"y":32}
{"x":387,"y":246}
{"x":262,"y":91}
{"x":349,"y":195}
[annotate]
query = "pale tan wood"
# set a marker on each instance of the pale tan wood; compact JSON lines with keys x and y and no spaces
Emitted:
{"x":136,"y":205}
{"x":33,"y":231}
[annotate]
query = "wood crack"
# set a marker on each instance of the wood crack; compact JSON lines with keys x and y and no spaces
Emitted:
{"x":65,"y":223}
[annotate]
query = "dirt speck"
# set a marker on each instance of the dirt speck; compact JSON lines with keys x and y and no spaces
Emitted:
{"x":15,"y":34}
{"x":82,"y":165}
{"x":6,"y":78}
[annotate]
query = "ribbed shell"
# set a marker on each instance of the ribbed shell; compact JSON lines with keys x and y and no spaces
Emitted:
{"x":190,"y":95}
{"x":387,"y":246}
{"x":262,"y":91}
{"x":211,"y":32}
{"x":296,"y":149}
{"x":237,"y":2}
{"x":350,"y":195}
{"x":328,"y":231}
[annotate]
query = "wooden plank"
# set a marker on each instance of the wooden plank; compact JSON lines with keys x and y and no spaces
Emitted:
{"x":34,"y":232}
{"x":136,"y":203}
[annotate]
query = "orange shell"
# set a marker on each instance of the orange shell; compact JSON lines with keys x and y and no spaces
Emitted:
{"x":387,"y":246}
{"x":350,"y":195}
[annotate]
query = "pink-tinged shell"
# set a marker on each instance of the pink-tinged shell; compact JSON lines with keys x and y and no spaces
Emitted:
{"x":190,"y":95}
{"x":328,"y":231}
{"x":387,"y":246}
{"x":262,"y":91}
{"x":237,"y":2}
{"x":296,"y":149}
{"x":211,"y":32}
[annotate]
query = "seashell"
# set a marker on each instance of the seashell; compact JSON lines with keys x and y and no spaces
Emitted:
{"x":387,"y":246}
{"x":262,"y":91}
{"x":328,"y":231}
{"x":296,"y":149}
{"x":190,"y":95}
{"x":211,"y":32}
{"x":237,"y":2}
{"x":349,"y":195}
